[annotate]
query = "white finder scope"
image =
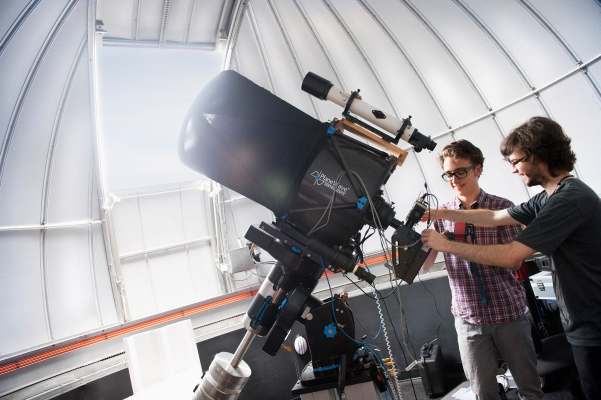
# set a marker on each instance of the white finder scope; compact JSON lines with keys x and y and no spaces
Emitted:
{"x":399,"y":129}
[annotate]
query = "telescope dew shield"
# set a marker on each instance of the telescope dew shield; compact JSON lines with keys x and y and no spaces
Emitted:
{"x":249,"y":140}
{"x":316,"y":86}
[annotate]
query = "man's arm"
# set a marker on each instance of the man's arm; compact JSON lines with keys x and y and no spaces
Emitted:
{"x":478,"y":217}
{"x":508,"y":255}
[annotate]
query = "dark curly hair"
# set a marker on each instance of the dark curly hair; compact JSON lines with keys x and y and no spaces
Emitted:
{"x":463,"y":149}
{"x":543,"y":139}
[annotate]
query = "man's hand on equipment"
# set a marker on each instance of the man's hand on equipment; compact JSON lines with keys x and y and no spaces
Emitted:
{"x":433,"y":214}
{"x":434,"y":240}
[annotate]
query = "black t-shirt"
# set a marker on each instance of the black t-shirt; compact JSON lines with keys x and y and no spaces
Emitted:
{"x":567,"y":227}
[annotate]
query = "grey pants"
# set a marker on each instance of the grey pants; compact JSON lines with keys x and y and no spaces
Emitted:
{"x":481,"y":347}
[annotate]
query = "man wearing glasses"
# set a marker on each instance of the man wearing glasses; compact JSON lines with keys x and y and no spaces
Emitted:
{"x":562,"y":221}
{"x":489,"y":305}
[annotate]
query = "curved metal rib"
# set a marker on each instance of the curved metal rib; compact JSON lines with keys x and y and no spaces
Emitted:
{"x":409,"y":60}
{"x":261,"y":47}
{"x":478,"y":21}
{"x":31,"y":74}
{"x":549,"y":27}
{"x":322,"y":45}
{"x":17,"y":23}
{"x":301,"y":70}
{"x":239,"y":9}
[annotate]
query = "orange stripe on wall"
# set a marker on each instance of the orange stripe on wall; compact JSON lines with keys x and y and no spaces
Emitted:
{"x":137,"y":327}
{"x":44,"y":355}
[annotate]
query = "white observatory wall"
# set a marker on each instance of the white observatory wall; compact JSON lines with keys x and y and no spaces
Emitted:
{"x":464,"y":69}
{"x":54,"y":275}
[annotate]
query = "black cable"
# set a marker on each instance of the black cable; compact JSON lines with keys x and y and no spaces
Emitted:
{"x":327,"y":210}
{"x":359,"y":287}
{"x":440,"y":320}
{"x":404,"y":326}
{"x":400,"y":345}
{"x":361,"y":342}
{"x":391,"y":322}
{"x":367,"y":234}
{"x":345,"y":167}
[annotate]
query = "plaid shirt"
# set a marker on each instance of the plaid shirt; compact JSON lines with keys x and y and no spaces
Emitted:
{"x":484,"y":295}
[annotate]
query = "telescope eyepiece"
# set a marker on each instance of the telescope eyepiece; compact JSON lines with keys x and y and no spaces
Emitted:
{"x":316,"y":86}
{"x":421,"y":141}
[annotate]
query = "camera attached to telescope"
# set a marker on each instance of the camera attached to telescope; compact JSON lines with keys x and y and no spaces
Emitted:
{"x":322,"y":184}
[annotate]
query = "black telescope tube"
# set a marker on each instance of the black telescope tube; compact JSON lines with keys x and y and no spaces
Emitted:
{"x":316,"y":86}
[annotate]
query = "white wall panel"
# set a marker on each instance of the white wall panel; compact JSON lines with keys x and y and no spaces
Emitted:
{"x":203,"y":29}
{"x":104,"y":287}
{"x":206,"y":280}
{"x":71,"y":282}
{"x":138,"y":288}
{"x":577,"y":22}
{"x":578,"y":109}
{"x":23,"y":167}
{"x":149,"y":19}
{"x":122,"y":14}
{"x":248,"y":56}
{"x":489,"y":68}
{"x":162,"y":267}
{"x":594,"y":71}
{"x":310,"y":54}
{"x":23,"y":310}
{"x":128,"y":225}
{"x":195,"y":206}
{"x":178,"y":12}
{"x":541,"y":56}
{"x":161,"y":23}
{"x":171,"y":280}
{"x":19,"y":54}
{"x":234,"y":63}
{"x":71,"y":167}
{"x":174,"y":279}
{"x":458,"y":100}
{"x":280,"y":61}
{"x":397,"y":74}
{"x":162,"y":221}
{"x":345,"y":56}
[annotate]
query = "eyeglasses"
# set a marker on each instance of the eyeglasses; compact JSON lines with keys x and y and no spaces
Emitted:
{"x":515,"y":162}
{"x":457,"y":173}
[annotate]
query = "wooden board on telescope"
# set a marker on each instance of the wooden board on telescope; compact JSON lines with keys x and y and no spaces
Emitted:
{"x":390,"y":148}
